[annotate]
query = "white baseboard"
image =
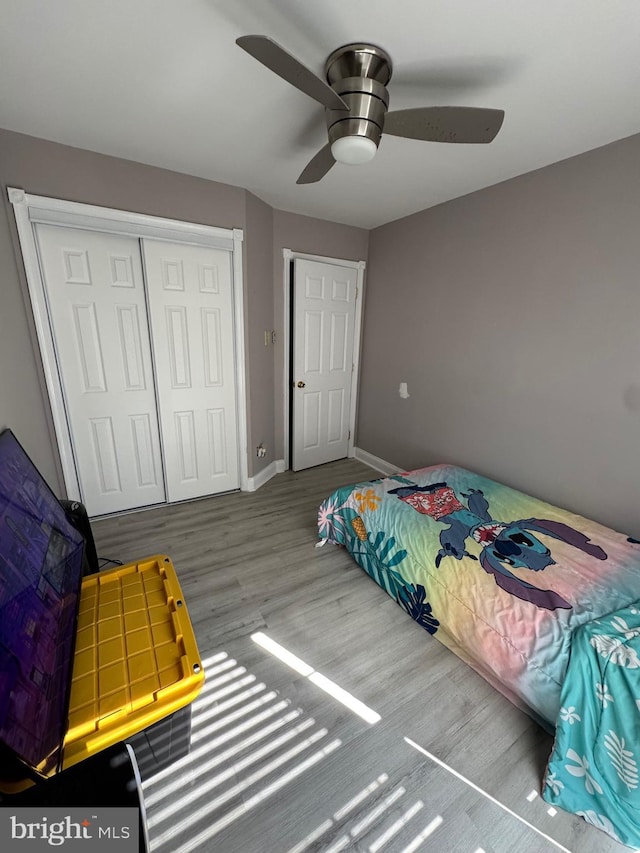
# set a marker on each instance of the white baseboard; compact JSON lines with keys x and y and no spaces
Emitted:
{"x":278,"y":467}
{"x":262,"y":477}
{"x":375,"y":462}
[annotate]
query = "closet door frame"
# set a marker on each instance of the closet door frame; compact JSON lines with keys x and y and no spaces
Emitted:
{"x":30,"y":210}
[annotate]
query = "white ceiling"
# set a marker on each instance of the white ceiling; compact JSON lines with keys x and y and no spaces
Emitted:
{"x":163,"y":82}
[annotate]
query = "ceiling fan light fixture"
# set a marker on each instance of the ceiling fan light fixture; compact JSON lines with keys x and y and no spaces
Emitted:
{"x":353,"y":150}
{"x":356,"y":104}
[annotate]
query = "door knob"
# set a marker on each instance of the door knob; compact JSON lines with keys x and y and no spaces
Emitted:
{"x":302,"y":384}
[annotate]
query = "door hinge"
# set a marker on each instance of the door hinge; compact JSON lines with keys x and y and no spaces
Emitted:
{"x":349,"y":436}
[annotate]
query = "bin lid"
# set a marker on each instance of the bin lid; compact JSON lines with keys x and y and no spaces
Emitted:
{"x":136,"y":658}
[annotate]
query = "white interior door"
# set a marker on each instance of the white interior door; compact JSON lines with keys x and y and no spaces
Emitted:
{"x":324,"y":308}
{"x":191,"y":312}
{"x":96,"y":300}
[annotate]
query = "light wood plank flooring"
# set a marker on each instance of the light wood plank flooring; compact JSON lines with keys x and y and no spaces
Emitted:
{"x":277,"y":764}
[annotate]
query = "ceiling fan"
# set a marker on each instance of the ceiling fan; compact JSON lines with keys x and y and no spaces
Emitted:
{"x":356,"y":100}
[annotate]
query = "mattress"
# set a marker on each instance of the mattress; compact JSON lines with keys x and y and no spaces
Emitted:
{"x":501,"y":578}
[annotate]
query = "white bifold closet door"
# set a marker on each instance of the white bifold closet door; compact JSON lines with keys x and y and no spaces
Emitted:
{"x":144,"y":340}
{"x":97,"y":310}
{"x":191,"y":312}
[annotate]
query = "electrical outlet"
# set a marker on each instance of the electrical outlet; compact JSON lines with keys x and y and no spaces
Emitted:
{"x":261,"y":451}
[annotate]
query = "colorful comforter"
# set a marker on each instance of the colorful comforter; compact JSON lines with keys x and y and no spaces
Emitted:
{"x":594,"y":767}
{"x":501,"y":578}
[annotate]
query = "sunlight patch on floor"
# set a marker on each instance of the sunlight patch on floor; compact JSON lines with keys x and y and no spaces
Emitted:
{"x":484,"y":793}
{"x":203,"y":769}
{"x":281,"y":653}
{"x":201,"y":730}
{"x":339,"y":693}
{"x":248,"y":743}
{"x":209,"y":662}
{"x":372,"y":816}
{"x":243,"y":736}
{"x":396,"y":827}
{"x":241,"y":810}
{"x":360,"y":797}
{"x":349,"y":836}
{"x":429,"y":829}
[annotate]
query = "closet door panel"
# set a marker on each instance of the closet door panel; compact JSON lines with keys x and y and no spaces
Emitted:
{"x":95,"y":293}
{"x":191,"y":311}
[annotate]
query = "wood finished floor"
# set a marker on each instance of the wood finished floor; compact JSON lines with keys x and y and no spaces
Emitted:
{"x":277,"y":765}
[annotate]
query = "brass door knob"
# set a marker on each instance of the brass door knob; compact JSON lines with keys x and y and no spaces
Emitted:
{"x":302,"y":384}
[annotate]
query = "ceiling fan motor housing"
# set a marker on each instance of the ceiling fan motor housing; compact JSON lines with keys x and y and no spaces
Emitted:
{"x":359,"y":73}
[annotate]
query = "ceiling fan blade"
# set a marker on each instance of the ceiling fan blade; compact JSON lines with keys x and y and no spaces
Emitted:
{"x":276,"y":59}
{"x":317,"y":167}
{"x":445,"y":124}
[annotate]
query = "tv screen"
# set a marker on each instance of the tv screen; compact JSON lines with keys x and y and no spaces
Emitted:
{"x":40,"y":574}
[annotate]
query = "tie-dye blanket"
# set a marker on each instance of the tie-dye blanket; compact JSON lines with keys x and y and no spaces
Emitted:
{"x":594,"y":767}
{"x":501,"y":578}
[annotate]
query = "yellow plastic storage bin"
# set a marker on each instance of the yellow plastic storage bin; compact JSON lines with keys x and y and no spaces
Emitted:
{"x":136,"y":659}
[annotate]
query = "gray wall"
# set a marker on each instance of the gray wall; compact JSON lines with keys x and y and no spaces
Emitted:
{"x":513,"y":314}
{"x":311,"y":236}
{"x":260,"y":376}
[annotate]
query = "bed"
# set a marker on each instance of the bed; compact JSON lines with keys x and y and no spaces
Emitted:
{"x":501,"y":578}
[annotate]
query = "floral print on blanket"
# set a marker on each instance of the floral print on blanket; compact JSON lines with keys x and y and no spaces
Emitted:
{"x":593,"y":770}
{"x":340,"y":519}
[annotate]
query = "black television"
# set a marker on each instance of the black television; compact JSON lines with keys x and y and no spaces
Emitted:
{"x":41,"y":560}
